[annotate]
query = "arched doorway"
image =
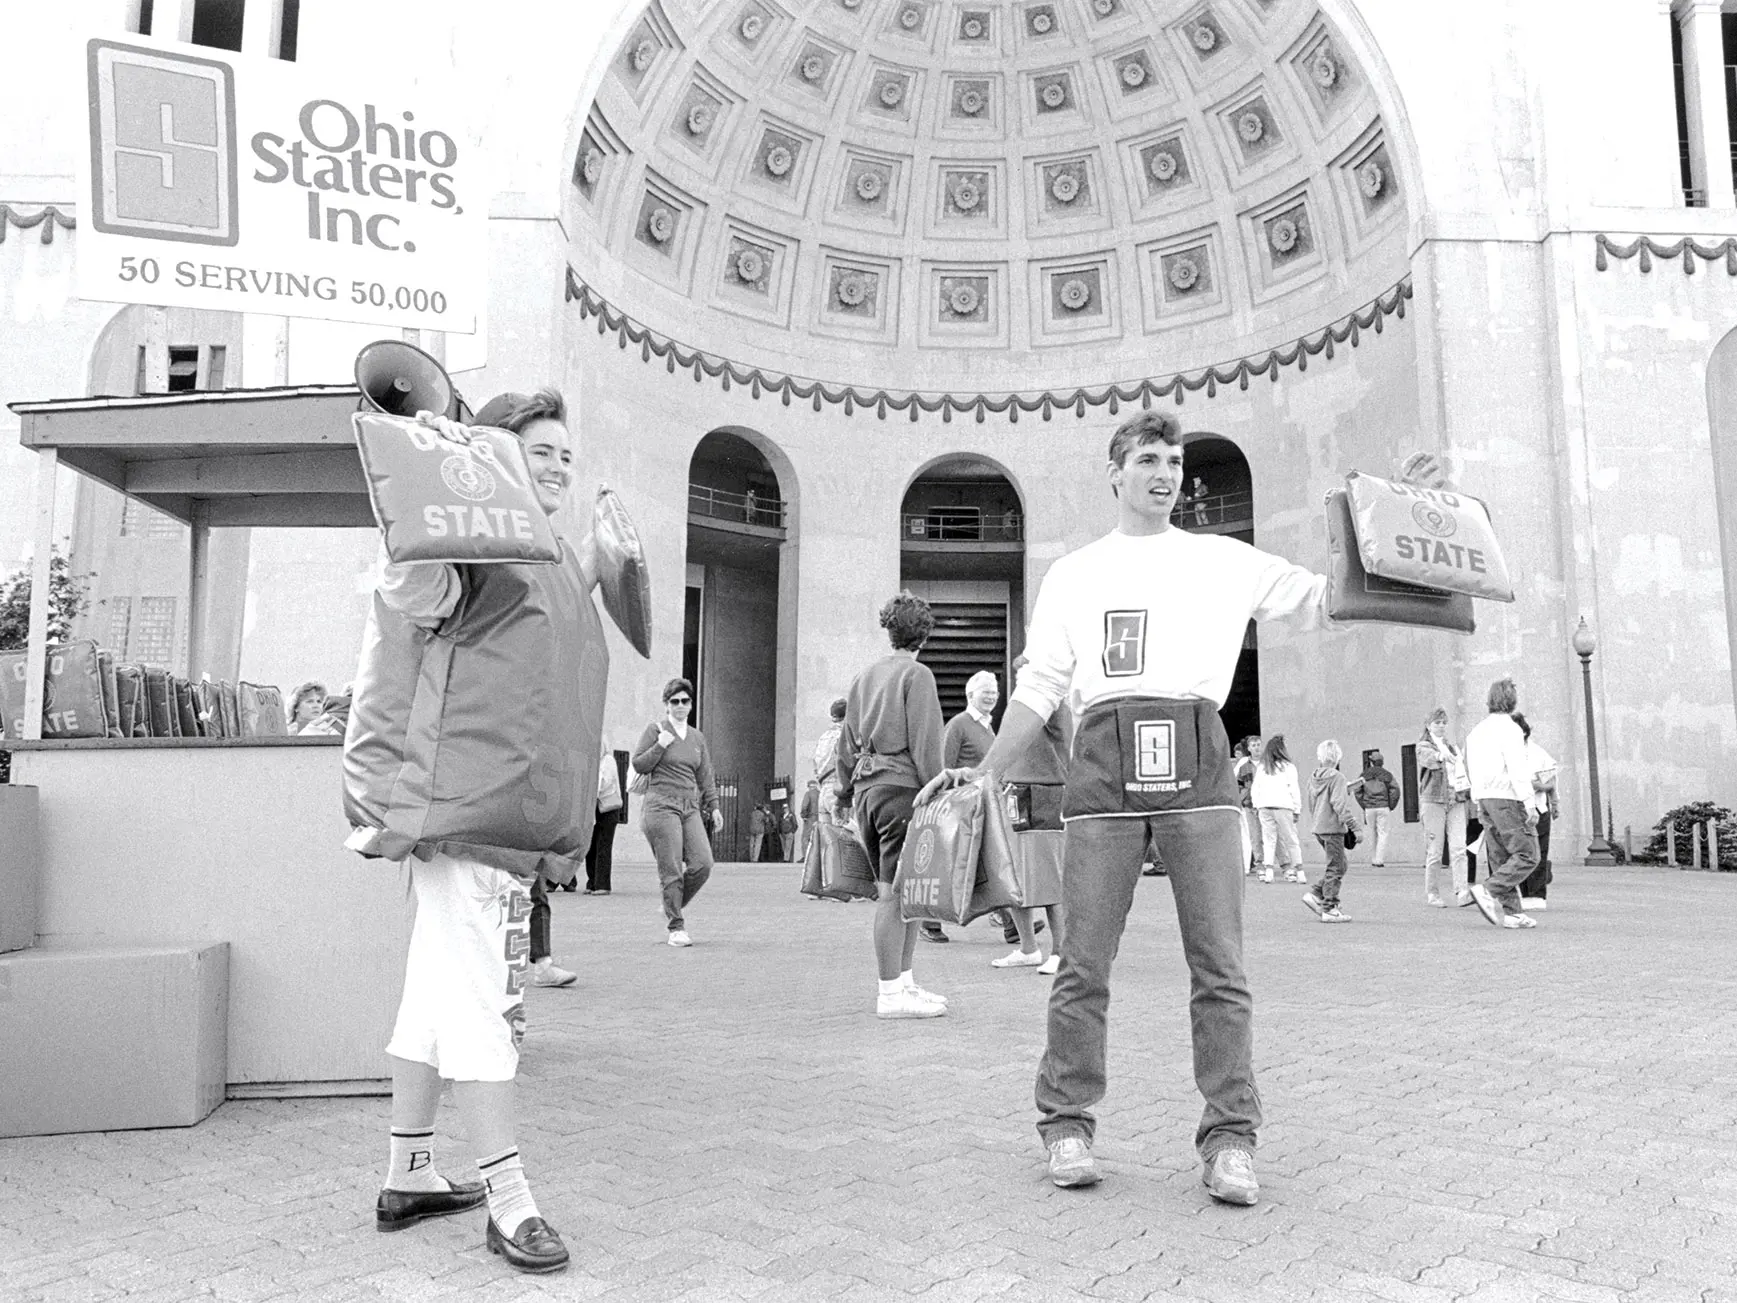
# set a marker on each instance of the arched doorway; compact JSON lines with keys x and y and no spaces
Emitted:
{"x":962,"y":549}
{"x":1218,"y":498}
{"x":738,"y":630}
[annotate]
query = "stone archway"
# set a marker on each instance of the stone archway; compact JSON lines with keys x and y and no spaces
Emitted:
{"x":1218,"y":498}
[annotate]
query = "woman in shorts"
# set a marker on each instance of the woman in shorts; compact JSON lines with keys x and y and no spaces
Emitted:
{"x":888,"y":747}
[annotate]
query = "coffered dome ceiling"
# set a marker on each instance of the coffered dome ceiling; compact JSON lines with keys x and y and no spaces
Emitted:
{"x":923,"y":192}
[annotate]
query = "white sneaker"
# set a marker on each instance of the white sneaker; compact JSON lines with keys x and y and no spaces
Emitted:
{"x":679,"y":938}
{"x":1019,"y":959}
{"x":1070,"y":1163}
{"x":1533,"y":903}
{"x":930,"y":996}
{"x":907,"y":1004}
{"x":1266,"y":875}
{"x":545,"y":973}
{"x":1049,"y":967}
{"x":1487,"y":904}
{"x":1434,"y":901}
{"x":1518,"y":920}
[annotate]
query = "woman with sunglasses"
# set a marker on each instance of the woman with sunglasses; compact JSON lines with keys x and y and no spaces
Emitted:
{"x":681,"y":798}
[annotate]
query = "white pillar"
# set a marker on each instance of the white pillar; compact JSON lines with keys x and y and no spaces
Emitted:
{"x":36,"y":642}
{"x":262,"y":28}
{"x":172,"y":20}
{"x":1704,"y":91}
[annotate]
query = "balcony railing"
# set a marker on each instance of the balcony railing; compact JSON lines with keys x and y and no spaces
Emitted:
{"x":1216,"y":512}
{"x":735,"y":508}
{"x":943,"y":526}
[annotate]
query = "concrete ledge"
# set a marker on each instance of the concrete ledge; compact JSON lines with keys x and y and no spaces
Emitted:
{"x":112,"y":1038}
{"x":20,"y":866}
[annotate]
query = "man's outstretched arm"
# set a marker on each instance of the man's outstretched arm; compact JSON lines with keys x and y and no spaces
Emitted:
{"x":1021,"y":727}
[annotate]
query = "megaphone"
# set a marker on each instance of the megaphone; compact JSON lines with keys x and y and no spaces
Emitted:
{"x":399,"y":379}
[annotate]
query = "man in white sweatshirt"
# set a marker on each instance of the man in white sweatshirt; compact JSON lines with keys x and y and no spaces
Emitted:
{"x":1139,"y":633}
{"x":1501,"y":770}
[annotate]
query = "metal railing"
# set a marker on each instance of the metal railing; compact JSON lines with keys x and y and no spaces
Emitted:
{"x":740,"y":508}
{"x":1221,"y":510}
{"x":943,"y":526}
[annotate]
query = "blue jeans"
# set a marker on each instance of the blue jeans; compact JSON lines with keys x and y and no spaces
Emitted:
{"x":1334,"y":844}
{"x":1101,"y":867}
{"x":678,"y":838}
{"x":1510,"y":849}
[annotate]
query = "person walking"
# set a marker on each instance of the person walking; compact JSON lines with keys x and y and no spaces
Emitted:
{"x":1278,"y":800}
{"x":826,"y":763}
{"x":787,"y":831}
{"x":756,"y":832}
{"x":1444,"y":797}
{"x":1040,"y":776}
{"x":1245,"y":755}
{"x":1535,"y":891}
{"x":1502,"y":773}
{"x":611,"y":805}
{"x":1377,"y":795}
{"x":888,"y":748}
{"x":1334,"y":814}
{"x":681,"y":800}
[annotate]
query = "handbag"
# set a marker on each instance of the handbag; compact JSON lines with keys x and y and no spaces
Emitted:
{"x":845,"y":871}
{"x":958,"y":859}
{"x":1350,"y":838}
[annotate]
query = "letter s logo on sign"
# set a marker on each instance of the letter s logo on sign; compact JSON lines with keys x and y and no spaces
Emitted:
{"x":162,"y":140}
{"x":1155,"y":751}
{"x":1124,"y":644}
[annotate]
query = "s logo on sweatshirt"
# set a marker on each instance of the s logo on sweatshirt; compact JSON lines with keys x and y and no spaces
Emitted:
{"x":1124,"y":644}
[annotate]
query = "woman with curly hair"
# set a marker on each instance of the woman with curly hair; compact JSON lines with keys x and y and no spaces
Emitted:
{"x":679,"y":788}
{"x":888,"y":747}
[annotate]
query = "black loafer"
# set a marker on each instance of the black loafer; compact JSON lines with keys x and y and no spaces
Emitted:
{"x":935,"y":934}
{"x":396,"y":1209}
{"x":534,"y":1247}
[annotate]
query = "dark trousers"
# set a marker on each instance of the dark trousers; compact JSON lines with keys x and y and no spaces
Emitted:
{"x":1334,"y":844}
{"x":539,"y":920}
{"x":1511,"y":847}
{"x":600,"y":855}
{"x":1537,"y":887}
{"x":1101,"y":867}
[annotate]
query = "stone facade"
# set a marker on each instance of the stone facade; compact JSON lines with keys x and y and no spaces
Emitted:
{"x":900,"y":208}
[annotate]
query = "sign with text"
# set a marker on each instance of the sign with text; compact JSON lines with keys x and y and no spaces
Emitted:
{"x":215,"y":180}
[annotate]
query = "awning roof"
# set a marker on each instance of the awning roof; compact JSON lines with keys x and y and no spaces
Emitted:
{"x":283,"y":456}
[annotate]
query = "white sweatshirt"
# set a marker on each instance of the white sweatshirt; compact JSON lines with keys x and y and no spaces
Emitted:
{"x":1277,"y":790}
{"x":1497,"y":761}
{"x":1161,"y":615}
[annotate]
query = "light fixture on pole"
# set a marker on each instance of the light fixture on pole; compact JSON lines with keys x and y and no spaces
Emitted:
{"x":1598,"y":851}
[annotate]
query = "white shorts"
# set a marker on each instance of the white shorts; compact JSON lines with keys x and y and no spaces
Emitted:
{"x":463,"y":1011}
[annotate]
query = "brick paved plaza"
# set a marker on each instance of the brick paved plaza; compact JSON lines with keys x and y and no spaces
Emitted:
{"x":1455,"y":1112}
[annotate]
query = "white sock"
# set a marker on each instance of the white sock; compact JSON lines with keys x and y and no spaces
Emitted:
{"x":907,"y":981}
{"x":510,"y":1201}
{"x":411,"y":1164}
{"x":895,"y":986}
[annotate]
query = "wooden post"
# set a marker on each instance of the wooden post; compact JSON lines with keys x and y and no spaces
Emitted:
{"x":199,"y":590}
{"x":1671,"y":844}
{"x":1713,"y":845}
{"x":41,"y":571}
{"x":1695,"y":836}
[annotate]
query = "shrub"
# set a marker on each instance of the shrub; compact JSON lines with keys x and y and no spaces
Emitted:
{"x":1683,"y":819}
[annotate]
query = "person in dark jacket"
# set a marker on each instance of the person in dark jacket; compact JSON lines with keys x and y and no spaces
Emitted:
{"x":1377,"y":795}
{"x":1335,"y":814}
{"x":889,"y":746}
{"x":681,"y":799}
{"x":967,"y":740}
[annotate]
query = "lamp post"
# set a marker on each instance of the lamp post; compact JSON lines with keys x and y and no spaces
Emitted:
{"x":1598,"y":851}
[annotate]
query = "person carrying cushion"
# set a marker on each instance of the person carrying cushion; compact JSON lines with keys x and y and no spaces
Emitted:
{"x":474,"y":785}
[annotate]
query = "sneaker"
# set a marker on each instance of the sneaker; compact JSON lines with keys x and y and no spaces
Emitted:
{"x":1519,"y":920}
{"x":929,"y":996}
{"x":1019,"y":959}
{"x":1486,"y":904}
{"x":1463,"y":897}
{"x":1230,"y":1177}
{"x":1049,"y":967}
{"x":1334,"y":916}
{"x":1434,"y":901}
{"x":1531,"y":903}
{"x":545,"y":973}
{"x":935,"y":934}
{"x":680,"y":938}
{"x":1266,"y":875}
{"x":905,"y":1003}
{"x":1070,"y":1163}
{"x":1312,"y":903}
